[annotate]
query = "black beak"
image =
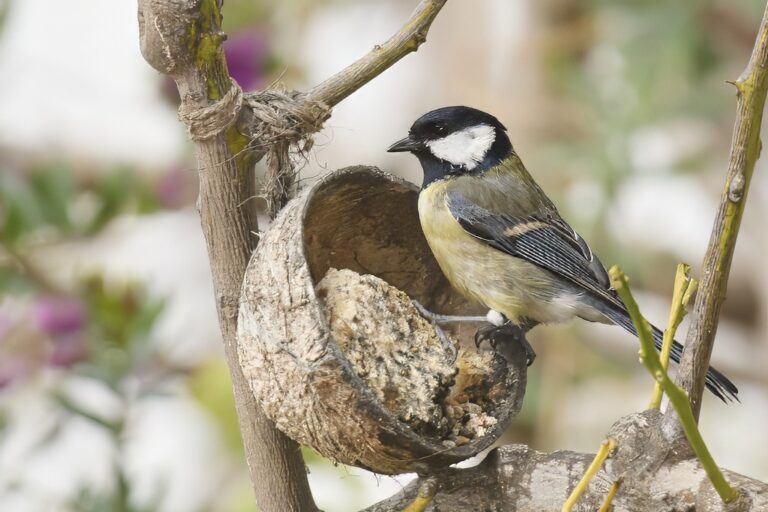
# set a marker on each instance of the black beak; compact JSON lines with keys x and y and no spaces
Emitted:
{"x":406,"y":144}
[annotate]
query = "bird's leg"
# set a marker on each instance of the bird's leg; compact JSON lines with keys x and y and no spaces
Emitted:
{"x":496,"y":334}
{"x":445,"y":341}
{"x":499,"y":329}
{"x":436,"y":321}
{"x":439,"y":319}
{"x":495,"y":320}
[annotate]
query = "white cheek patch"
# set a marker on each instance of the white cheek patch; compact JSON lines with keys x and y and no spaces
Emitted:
{"x":466,"y":148}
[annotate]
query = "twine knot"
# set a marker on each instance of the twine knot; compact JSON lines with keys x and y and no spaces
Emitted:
{"x":208,"y":122}
{"x":279,"y":120}
{"x":283,"y":119}
{"x":285,"y":116}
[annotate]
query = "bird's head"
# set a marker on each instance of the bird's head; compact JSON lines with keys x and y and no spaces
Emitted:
{"x":452,"y":141}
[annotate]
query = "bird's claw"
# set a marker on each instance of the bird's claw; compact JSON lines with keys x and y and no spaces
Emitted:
{"x":530,"y":354}
{"x":494,"y":334}
{"x":505,"y":333}
{"x":485,"y":333}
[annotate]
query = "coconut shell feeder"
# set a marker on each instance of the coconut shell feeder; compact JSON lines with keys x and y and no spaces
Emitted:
{"x":336,"y":353}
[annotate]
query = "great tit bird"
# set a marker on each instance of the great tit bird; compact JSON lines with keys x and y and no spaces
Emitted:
{"x":500,"y":240}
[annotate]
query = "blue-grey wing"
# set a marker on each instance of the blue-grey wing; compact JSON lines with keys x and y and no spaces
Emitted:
{"x":545,"y":240}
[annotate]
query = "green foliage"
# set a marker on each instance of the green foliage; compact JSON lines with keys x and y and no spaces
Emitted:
{"x":12,"y":283}
{"x":122,"y":318}
{"x":117,"y":501}
{"x":47,"y":202}
{"x":117,"y":191}
{"x":27,"y":206}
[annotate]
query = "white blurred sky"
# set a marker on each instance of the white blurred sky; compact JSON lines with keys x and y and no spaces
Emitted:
{"x":74,"y":82}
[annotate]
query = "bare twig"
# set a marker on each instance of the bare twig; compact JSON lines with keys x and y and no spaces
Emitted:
{"x":602,"y":454}
{"x":685,"y":288}
{"x":676,"y":395}
{"x":608,"y":503}
{"x":751,"y":89}
{"x":280,"y":182}
{"x":362,"y":71}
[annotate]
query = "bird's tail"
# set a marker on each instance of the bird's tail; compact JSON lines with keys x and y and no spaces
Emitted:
{"x":716,"y":382}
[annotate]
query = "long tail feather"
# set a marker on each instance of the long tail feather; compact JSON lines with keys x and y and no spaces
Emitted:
{"x":716,"y":382}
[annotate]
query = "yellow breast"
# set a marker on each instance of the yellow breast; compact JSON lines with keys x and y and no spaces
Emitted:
{"x":470,"y":266}
{"x":491,"y":277}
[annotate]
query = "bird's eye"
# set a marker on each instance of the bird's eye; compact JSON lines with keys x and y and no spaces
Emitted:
{"x":440,"y":128}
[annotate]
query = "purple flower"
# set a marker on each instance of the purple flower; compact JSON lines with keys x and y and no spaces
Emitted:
{"x":246,"y":55}
{"x":59,"y":316}
{"x":175,"y":188}
{"x":67,"y":350}
{"x":12,"y":370}
{"x":63,"y":320}
{"x":51,"y":333}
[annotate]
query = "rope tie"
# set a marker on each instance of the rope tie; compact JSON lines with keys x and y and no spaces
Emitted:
{"x":281,"y":120}
{"x":285,"y":116}
{"x":208,"y":122}
{"x":284,"y":119}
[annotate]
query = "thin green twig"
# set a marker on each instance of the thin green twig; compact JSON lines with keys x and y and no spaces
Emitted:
{"x":427,"y":492}
{"x":685,"y":287}
{"x":677,"y":397}
{"x":605,"y":450}
{"x":606,"y":506}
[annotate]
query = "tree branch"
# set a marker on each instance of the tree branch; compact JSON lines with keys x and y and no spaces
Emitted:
{"x":362,"y":71}
{"x":751,"y":89}
{"x":279,"y":121}
{"x":183,"y":38}
{"x":516,"y":477}
{"x":684,"y":289}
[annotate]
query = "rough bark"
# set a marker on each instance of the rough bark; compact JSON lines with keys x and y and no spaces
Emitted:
{"x":516,"y":477}
{"x":751,"y":89}
{"x":183,"y":38}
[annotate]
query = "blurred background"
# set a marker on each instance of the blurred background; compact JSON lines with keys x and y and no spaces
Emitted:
{"x":113,"y":391}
